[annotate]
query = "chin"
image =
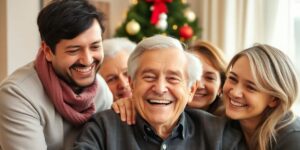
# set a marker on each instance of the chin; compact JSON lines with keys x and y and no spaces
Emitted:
{"x":85,"y":83}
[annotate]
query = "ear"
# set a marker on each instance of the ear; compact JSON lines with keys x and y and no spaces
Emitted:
{"x":220,"y":91}
{"x":274,"y":102}
{"x":47,"y":51}
{"x":192,"y":90}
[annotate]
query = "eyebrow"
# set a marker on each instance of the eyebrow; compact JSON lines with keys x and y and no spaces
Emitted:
{"x":96,"y":42}
{"x":233,"y":73}
{"x":251,"y":83}
{"x":177,"y":73}
{"x":72,"y":46}
{"x":147,"y":70}
{"x":248,"y":81}
{"x":76,"y":46}
{"x":209,"y":73}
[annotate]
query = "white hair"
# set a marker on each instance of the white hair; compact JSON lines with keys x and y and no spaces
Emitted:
{"x":194,"y":69}
{"x":114,"y":45}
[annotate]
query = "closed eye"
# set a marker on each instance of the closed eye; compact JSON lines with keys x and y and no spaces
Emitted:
{"x":232,"y":79}
{"x":111,"y":79}
{"x":95,"y":47}
{"x":73,"y":51}
{"x":210,"y":78}
{"x":149,"y":77}
{"x":173,"y":80}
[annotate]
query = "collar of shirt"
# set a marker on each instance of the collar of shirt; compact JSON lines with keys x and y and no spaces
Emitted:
{"x":148,"y":132}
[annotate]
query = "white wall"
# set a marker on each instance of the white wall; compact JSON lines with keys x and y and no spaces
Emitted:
{"x":22,"y":32}
{"x":118,"y":10}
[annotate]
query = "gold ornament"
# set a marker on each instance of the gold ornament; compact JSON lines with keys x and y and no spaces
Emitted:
{"x":133,"y":27}
{"x":174,"y":27}
{"x":189,"y":15}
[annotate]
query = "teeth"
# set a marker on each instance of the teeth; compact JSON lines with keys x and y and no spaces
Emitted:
{"x":83,"y":69}
{"x":235,"y":103}
{"x":154,"y":101}
{"x":199,"y":94}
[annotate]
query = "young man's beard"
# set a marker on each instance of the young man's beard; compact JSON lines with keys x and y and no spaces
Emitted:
{"x":72,"y":83}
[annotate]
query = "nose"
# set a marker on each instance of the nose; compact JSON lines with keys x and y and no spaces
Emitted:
{"x":202,"y":83}
{"x":123,"y":82}
{"x":160,"y":87}
{"x":86,"y":57}
{"x":236,"y":91}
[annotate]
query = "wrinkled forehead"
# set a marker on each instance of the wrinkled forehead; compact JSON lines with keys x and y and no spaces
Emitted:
{"x":164,"y":59}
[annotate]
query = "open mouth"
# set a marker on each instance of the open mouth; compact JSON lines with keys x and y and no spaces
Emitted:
{"x":237,"y":103}
{"x":84,"y":69}
{"x":201,"y":93}
{"x":159,"y":102}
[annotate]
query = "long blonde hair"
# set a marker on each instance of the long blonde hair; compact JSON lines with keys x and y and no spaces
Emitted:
{"x":273,"y":74}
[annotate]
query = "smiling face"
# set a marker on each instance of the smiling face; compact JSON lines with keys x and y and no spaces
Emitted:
{"x":160,"y":91}
{"x":210,"y":85}
{"x":114,"y":72}
{"x":243,"y":100}
{"x":77,"y":60}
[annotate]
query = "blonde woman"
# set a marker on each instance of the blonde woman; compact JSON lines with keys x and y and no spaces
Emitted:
{"x":259,"y":91}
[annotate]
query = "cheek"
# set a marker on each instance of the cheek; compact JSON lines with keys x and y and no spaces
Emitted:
{"x":112,"y":87}
{"x":212,"y":87}
{"x":226,"y":87}
{"x":183,"y":94}
{"x":99,"y":56}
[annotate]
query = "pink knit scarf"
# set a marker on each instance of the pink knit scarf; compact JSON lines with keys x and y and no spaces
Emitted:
{"x":75,"y":108}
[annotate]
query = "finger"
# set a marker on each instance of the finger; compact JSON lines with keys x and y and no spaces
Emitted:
{"x":115,"y":107}
{"x":128,"y":112}
{"x":133,"y":116}
{"x":122,"y":111}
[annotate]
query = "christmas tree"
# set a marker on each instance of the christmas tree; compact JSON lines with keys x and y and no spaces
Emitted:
{"x":170,"y":17}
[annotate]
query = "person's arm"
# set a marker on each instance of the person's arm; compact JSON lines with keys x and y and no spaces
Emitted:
{"x":125,"y":108}
{"x":91,"y":137}
{"x":20,"y":123}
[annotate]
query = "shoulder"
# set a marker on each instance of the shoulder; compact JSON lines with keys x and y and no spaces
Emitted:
{"x":293,"y":127}
{"x":105,"y":121}
{"x":25,"y":84}
{"x":22,"y":77}
{"x":204,"y":116}
{"x":288,"y":137}
{"x":104,"y":98}
{"x":205,"y":122}
{"x":108,"y":117}
{"x":23,"y":93}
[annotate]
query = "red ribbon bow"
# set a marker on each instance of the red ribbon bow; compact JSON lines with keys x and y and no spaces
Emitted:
{"x":159,"y":6}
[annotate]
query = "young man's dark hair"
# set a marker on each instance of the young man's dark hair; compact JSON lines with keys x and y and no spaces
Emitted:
{"x":65,"y":19}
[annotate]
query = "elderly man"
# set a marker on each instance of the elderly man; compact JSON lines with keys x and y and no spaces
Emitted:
{"x":163,"y":78}
{"x":114,"y":66}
